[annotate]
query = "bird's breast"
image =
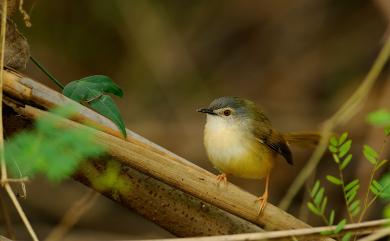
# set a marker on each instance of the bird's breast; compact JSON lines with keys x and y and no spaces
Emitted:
{"x":234,"y":150}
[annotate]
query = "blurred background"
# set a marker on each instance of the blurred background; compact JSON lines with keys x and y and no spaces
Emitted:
{"x":298,"y":60}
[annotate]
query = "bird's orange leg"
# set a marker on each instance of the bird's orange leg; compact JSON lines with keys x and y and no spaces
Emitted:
{"x":222,"y":177}
{"x":264,"y":198}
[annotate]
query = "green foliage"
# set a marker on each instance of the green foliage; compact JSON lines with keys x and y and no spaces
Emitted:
{"x":380,"y":118}
{"x":50,"y":149}
{"x":383,"y":187}
{"x":370,"y":154}
{"x":93,"y":90}
{"x":340,"y":148}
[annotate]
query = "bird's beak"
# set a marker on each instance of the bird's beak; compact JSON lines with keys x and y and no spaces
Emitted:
{"x":207,"y":111}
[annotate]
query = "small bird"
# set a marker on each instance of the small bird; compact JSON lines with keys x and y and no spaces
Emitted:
{"x":239,"y":140}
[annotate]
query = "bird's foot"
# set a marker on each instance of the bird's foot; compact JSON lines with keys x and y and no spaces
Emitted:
{"x":222,"y":178}
{"x":263,"y":202}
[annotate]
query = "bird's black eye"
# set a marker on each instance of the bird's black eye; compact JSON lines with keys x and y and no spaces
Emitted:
{"x":227,"y":112}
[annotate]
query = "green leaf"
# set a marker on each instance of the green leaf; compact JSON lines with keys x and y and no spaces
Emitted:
{"x":91,"y":87}
{"x":344,"y":148}
{"x":387,"y":131}
{"x":331,"y":217}
{"x":343,"y":138}
{"x":315,"y":188}
{"x":313,"y":209}
{"x":354,"y":205}
{"x":351,"y":195}
{"x":346,"y":161}
{"x":340,"y":226}
{"x":50,"y":149}
{"x":326,"y":232}
{"x":374,"y":190}
{"x":333,"y":149}
{"x":334,"y":180}
{"x":355,"y":211}
{"x":379,"y":118}
{"x":377,"y":185}
{"x":323,"y":205}
{"x":386,"y":212}
{"x":370,"y":154}
{"x":333,"y":141}
{"x":347,"y":236}
{"x":93,"y":90}
{"x":385,"y":183}
{"x":106,"y":106}
{"x":351,"y":185}
{"x":319,"y":196}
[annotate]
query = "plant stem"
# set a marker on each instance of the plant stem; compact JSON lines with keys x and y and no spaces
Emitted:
{"x":57,"y":82}
{"x":343,"y":187}
{"x":4,"y":178}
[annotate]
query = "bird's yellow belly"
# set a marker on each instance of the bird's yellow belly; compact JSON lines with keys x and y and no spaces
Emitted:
{"x":238,"y":154}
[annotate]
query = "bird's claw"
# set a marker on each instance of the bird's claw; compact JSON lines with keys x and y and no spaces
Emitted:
{"x":222,"y":178}
{"x":263,"y":202}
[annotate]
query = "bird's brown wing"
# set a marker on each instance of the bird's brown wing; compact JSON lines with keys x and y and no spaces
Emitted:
{"x":271,"y":138}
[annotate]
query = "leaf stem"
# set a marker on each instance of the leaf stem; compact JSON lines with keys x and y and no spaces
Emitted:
{"x":57,"y":82}
{"x":343,"y":187}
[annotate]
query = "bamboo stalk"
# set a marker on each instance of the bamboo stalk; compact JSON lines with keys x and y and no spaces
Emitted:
{"x":154,"y":160}
{"x":178,"y":212}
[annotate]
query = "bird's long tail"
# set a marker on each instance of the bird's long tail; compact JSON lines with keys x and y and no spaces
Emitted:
{"x":304,"y":139}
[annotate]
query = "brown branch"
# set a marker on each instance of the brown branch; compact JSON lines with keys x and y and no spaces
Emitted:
{"x":302,"y":234}
{"x":170,"y":208}
{"x":72,"y":216}
{"x":155,"y":161}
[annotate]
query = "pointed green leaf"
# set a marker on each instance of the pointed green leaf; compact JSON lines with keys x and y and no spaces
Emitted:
{"x":354,"y":205}
{"x":93,"y":90}
{"x":91,"y":87}
{"x":351,"y":195}
{"x":355,"y":211}
{"x":319,"y":196}
{"x":347,"y":236}
{"x":346,"y":161}
{"x":333,"y":141}
{"x":323,"y":205}
{"x":379,"y":118}
{"x":370,"y":154}
{"x":106,"y":106}
{"x":385,"y":183}
{"x":313,"y":209}
{"x":326,"y":232}
{"x":343,"y":138}
{"x":340,"y":226}
{"x":331,"y":217}
{"x":333,"y":149}
{"x":334,"y":180}
{"x":387,"y":131}
{"x":344,"y":148}
{"x":315,"y":188}
{"x":374,"y":190}
{"x":377,"y":185}
{"x":351,"y":185}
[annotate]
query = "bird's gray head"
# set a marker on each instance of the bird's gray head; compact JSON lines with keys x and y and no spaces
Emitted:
{"x":230,"y":108}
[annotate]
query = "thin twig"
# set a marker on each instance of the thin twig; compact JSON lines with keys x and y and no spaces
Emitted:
{"x":73,"y":215}
{"x":345,"y":113}
{"x":26,"y":17}
{"x":377,"y":235}
{"x":356,"y":228}
{"x":57,"y":82}
{"x":4,"y":178}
